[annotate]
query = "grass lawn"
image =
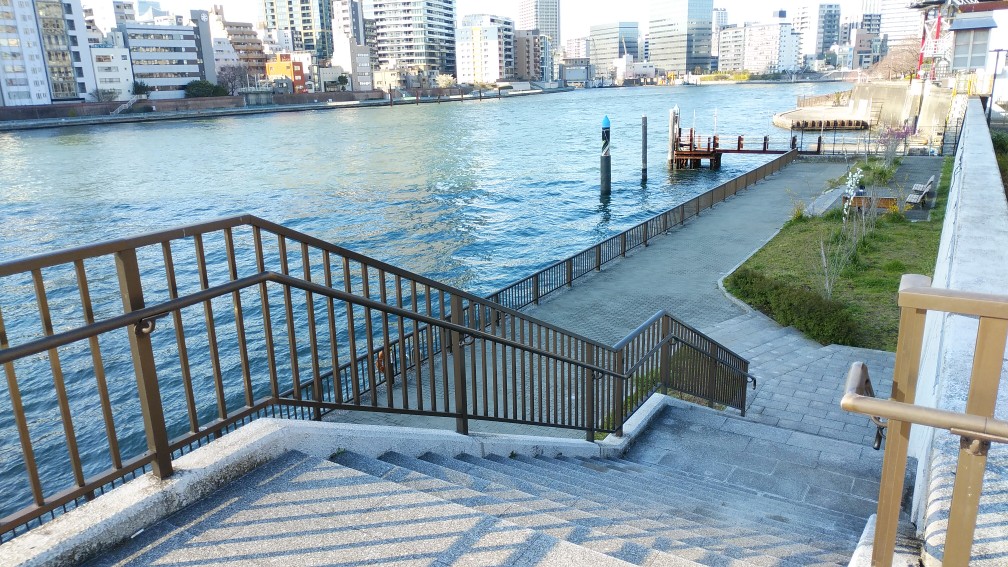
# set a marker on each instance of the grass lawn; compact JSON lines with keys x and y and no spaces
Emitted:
{"x":867,"y":288}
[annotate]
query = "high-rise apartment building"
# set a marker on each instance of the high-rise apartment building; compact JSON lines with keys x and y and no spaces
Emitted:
{"x":236,"y":43}
{"x":348,"y":18}
{"x":731,"y":49}
{"x":533,"y":56}
{"x":167,"y":58}
{"x":309,"y":23}
{"x":819,"y":26}
{"x":680,"y":34}
{"x":415,"y":34}
{"x":102,"y":16}
{"x":610,"y":42}
{"x":485,"y":49}
{"x":23,"y":77}
{"x":719,"y":20}
{"x":112,"y":66}
{"x":902,"y":25}
{"x":542,"y":15}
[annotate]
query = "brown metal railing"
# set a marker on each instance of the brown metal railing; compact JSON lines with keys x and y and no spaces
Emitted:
{"x":977,"y":427}
{"x":562,"y":274}
{"x":224,"y":322}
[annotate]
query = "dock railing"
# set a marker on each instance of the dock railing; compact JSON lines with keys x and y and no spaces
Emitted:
{"x":123,"y":355}
{"x":531,"y":289}
{"x":977,"y":427}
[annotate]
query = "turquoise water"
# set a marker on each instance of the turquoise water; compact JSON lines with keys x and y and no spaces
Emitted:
{"x":477,"y":194}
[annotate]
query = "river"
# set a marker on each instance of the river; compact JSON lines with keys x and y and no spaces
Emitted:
{"x":477,"y":193}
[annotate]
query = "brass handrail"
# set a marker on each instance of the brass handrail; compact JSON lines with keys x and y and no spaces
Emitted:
{"x":856,"y":400}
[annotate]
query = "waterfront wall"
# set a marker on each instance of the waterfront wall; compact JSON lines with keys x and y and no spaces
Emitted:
{"x":972,"y":256}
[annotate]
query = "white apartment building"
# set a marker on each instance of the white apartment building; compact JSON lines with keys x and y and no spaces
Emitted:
{"x":542,"y":15}
{"x":309,"y":23}
{"x":577,"y":48}
{"x":78,"y":42}
{"x":719,"y":21}
{"x":23,"y":77}
{"x":113,"y":69}
{"x":167,"y":58}
{"x":484,"y":49}
{"x":350,"y":50}
{"x":819,"y":26}
{"x":731,"y":49}
{"x":103,"y":16}
{"x":418,"y":35}
{"x":901,"y":25}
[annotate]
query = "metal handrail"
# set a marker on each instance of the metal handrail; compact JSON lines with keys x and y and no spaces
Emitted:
{"x":856,"y":399}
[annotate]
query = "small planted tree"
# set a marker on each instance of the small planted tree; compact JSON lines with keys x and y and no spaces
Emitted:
{"x":231,"y":77}
{"x":104,"y":95}
{"x":342,"y":81}
{"x":204,"y":88}
{"x":141,"y":88}
{"x":445,"y":81}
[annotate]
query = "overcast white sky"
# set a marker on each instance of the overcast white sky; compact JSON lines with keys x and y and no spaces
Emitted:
{"x":576,"y":16}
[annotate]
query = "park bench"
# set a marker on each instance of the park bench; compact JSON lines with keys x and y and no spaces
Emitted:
{"x":919,"y":192}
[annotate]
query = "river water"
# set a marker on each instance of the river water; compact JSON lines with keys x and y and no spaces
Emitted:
{"x":477,"y":194}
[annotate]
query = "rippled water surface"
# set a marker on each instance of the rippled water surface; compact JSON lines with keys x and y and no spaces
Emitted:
{"x":477,"y":193}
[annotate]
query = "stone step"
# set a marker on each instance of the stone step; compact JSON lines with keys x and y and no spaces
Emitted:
{"x":304,"y":510}
{"x":640,"y":526}
{"x":752,"y":518}
{"x":512,"y":505}
{"x":698,"y":523}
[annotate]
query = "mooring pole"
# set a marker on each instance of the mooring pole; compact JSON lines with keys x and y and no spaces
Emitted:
{"x":643,"y":164}
{"x":673,"y":135}
{"x":606,"y":162}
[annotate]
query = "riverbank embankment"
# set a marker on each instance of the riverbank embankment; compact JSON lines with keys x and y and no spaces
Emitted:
{"x":203,"y":113}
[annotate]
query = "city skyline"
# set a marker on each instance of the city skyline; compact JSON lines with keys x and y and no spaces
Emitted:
{"x":578,"y":15}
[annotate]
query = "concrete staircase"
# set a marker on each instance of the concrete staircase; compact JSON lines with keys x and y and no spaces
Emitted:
{"x":799,"y":381}
{"x":699,"y":487}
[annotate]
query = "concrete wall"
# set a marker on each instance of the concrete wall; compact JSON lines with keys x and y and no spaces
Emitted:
{"x":188,"y":104}
{"x":973,"y":256}
{"x":57,"y":110}
{"x":342,"y":96}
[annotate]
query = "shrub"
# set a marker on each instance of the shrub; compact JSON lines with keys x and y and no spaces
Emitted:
{"x":823,"y":320}
{"x":1000,"y":140}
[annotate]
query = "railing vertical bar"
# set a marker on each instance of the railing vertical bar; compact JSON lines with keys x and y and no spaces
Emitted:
{"x":312,"y":332}
{"x":239,"y":319}
{"x":458,"y":360}
{"x":530,"y":360}
{"x":445,"y":338}
{"x":417,"y":356}
{"x":517,"y":357}
{"x":338,"y":396}
{"x":267,"y":315}
{"x":57,"y":371}
{"x":904,"y":389}
{"x":351,"y":335}
{"x":385,"y":353}
{"x":482,"y":324}
{"x":369,"y":331}
{"x":289,"y":309}
{"x":24,"y":436}
{"x":589,"y":393}
{"x":540,"y":374}
{"x":496,"y":328}
{"x":470,"y":321}
{"x":403,"y":345}
{"x":430,"y":352}
{"x":984,"y":383}
{"x":208,"y":316}
{"x":99,"y":366}
{"x":180,"y":342}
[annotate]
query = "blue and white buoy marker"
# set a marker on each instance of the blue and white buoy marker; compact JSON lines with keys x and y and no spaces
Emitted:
{"x":606,"y":162}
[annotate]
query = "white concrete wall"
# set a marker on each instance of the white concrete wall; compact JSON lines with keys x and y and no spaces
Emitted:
{"x":973,"y":256}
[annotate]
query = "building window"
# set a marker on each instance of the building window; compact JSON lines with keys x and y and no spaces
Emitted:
{"x":970,"y":49}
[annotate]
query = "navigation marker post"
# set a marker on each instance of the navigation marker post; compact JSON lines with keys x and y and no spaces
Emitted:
{"x":643,"y":164}
{"x":606,"y":162}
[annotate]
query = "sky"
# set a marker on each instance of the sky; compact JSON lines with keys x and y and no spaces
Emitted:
{"x":576,"y":16}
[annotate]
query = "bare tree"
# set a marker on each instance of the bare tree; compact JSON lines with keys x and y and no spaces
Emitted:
{"x":104,"y":95}
{"x":445,"y":81}
{"x":232,"y":77}
{"x":899,"y":62}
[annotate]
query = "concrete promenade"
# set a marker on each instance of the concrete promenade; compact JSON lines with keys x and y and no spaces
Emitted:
{"x":799,"y":381}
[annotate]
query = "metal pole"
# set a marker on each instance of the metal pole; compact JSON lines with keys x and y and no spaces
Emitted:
{"x":644,"y":148}
{"x":990,"y":101}
{"x":606,"y":161}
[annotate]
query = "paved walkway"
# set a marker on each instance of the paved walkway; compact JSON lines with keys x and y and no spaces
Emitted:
{"x":800,"y":382}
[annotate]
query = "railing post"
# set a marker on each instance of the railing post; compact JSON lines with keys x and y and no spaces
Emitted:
{"x":458,"y":361}
{"x":589,"y":394}
{"x":620,"y":396}
{"x":535,"y":288}
{"x":983,"y":394}
{"x":570,"y":272}
{"x":904,"y":389}
{"x":598,"y":257}
{"x":646,"y":231}
{"x":665,"y":358}
{"x":623,"y":244}
{"x":131,"y":290}
{"x":712,"y":368}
